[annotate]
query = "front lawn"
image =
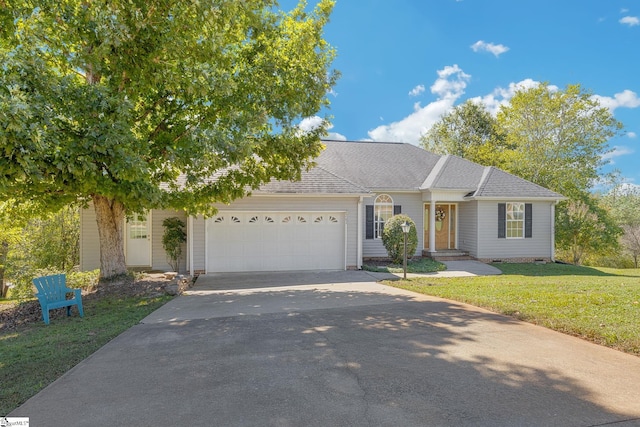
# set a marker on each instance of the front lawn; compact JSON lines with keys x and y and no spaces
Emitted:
{"x":598,"y":304}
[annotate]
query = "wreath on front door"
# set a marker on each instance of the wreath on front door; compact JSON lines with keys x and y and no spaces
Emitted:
{"x":440,"y":214}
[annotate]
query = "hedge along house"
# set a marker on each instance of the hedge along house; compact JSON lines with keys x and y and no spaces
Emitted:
{"x":332,"y":219}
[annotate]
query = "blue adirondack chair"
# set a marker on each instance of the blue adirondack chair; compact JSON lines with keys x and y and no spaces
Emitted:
{"x":52,"y":293}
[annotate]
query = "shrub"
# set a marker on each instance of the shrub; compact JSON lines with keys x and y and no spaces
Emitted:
{"x":172,"y":240}
{"x":23,"y":288}
{"x":393,"y":238}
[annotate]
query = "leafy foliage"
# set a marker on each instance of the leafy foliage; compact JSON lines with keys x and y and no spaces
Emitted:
{"x":623,"y":201}
{"x":45,"y":245}
{"x":136,"y":106}
{"x":559,"y":137}
{"x":393,"y":238}
{"x":468,"y":131}
{"x":583,"y":226}
{"x":172,"y":240}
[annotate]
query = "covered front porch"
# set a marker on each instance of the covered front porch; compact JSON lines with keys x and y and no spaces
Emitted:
{"x":441,"y":232}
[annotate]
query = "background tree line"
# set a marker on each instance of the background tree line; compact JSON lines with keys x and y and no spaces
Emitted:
{"x":45,"y":244}
{"x":557,"y":139}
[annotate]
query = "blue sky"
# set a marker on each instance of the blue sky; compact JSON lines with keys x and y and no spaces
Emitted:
{"x":406,"y":62}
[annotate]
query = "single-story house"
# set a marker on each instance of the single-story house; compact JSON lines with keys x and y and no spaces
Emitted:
{"x":332,"y":219}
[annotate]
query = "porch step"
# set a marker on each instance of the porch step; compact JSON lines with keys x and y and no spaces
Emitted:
{"x":448,"y":255}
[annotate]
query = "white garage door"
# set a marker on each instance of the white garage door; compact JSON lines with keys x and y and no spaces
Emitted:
{"x":275,"y":241}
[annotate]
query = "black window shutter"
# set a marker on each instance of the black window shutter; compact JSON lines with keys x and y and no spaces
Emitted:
{"x":397,"y":209}
{"x":502,"y":220}
{"x":528,"y":220}
{"x":369,"y":222}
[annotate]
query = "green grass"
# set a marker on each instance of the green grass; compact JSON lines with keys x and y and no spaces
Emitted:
{"x":34,"y":355}
{"x":598,"y":304}
{"x":421,"y":265}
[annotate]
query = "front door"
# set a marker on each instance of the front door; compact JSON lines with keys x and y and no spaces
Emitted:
{"x":138,"y":241}
{"x":445,"y":224}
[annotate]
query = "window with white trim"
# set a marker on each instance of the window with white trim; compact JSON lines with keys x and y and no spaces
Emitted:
{"x":515,"y":220}
{"x":383,"y":211}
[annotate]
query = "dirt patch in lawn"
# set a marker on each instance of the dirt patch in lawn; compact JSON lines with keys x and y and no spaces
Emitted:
{"x":13,"y":315}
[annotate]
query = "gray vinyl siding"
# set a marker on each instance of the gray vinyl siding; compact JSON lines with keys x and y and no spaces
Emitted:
{"x":158,"y":254}
{"x":412,"y":206}
{"x":491,"y":247}
{"x":198,"y":237}
{"x":468,"y":227}
{"x":89,"y":240}
{"x":349,"y":205}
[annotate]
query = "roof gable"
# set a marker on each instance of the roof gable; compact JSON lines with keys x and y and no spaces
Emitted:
{"x":498,"y":183}
{"x":454,"y":173}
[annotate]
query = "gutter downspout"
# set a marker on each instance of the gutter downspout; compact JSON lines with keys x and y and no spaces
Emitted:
{"x":359,"y":234}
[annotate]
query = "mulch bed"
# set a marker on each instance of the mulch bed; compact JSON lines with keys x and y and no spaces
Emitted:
{"x":150,"y":286}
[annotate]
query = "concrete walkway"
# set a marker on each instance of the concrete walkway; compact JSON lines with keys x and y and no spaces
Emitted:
{"x":337,"y":349}
{"x":460,"y":269}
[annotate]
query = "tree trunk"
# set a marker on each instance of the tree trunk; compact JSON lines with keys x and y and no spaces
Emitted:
{"x":110,"y":219}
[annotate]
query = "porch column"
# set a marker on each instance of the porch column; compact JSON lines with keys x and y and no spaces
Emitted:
{"x":432,"y":226}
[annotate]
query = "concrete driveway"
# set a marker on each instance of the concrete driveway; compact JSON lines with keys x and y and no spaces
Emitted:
{"x":337,"y":349}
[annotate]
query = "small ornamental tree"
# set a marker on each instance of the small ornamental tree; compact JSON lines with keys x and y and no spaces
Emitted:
{"x":172,"y":240}
{"x":393,"y":238}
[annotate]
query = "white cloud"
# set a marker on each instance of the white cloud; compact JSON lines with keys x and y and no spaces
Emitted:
{"x":617,"y":152}
{"x":416,"y":90}
{"x":449,"y":87}
{"x":482,"y":46}
{"x":335,"y":136}
{"x":630,"y":21}
{"x":501,"y":96}
{"x":446,"y":88}
{"x":626,"y":99}
{"x":628,"y":188}
{"x":309,"y":124}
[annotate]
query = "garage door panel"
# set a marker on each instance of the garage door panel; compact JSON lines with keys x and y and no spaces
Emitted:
{"x":275,"y":241}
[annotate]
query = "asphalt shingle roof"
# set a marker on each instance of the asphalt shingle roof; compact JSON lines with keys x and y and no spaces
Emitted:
{"x":347,"y":167}
{"x":317,"y":180}
{"x":498,"y":183}
{"x":454,"y":173}
{"x":378,"y":165}
{"x":398,"y":166}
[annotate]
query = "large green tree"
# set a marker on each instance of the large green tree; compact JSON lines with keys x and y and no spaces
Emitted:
{"x":468,"y":131}
{"x":138,"y":104}
{"x":558,"y":137}
{"x":583,"y":226}
{"x":623,"y":201}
